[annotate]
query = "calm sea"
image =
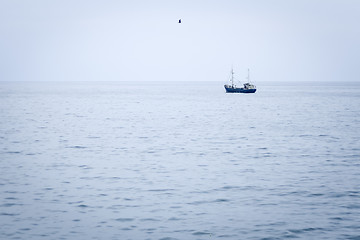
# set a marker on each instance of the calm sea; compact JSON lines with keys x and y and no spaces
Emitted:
{"x":154,"y":160}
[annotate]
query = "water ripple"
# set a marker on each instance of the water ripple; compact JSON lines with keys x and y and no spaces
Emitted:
{"x":167,"y":161}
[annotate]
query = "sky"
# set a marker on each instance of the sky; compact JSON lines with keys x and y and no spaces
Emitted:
{"x":139,"y":40}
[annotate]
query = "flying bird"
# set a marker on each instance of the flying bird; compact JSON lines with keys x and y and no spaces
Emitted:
{"x":179,"y":20}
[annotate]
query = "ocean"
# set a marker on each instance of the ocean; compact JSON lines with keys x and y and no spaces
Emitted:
{"x":179,"y":160}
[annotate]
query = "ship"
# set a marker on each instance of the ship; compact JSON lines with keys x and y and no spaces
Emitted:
{"x":247,"y":87}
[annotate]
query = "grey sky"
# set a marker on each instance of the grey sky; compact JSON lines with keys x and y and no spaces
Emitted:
{"x":285,"y":40}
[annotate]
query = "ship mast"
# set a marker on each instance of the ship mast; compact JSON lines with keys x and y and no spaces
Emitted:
{"x":248,"y":76}
{"x":232,"y":77}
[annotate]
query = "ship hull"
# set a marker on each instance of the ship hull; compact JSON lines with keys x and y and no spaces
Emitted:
{"x":239,"y":90}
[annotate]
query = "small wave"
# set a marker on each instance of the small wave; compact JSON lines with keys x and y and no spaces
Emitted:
{"x":11,"y":198}
{"x":353,"y":206}
{"x":176,"y":207}
{"x":198,"y":202}
{"x":11,"y":192}
{"x":161,"y":190}
{"x":124,"y":219}
{"x":9,"y":214}
{"x":25,"y":229}
{"x":75,"y":202}
{"x":353,"y":193}
{"x":354,"y":238}
{"x":203,"y":165}
{"x":174,"y":219}
{"x":227,"y":188}
{"x":227,"y":236}
{"x":10,"y":204}
{"x":315,"y":195}
{"x":222,"y":200}
{"x":149,"y":220}
{"x":83,"y":206}
{"x":13,"y":152}
{"x":126,"y":229}
{"x":149,"y":230}
{"x":227,"y":152}
{"x":84,"y":167}
{"x":76,"y":147}
{"x":305,"y":230}
{"x":201,"y":233}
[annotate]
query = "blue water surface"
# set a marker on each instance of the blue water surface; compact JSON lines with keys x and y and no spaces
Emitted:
{"x":180,"y":160}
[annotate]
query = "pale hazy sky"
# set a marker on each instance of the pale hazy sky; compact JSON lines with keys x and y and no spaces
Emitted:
{"x":109,"y":40}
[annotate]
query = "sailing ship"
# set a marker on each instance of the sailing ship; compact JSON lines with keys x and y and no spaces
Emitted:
{"x":247,"y":87}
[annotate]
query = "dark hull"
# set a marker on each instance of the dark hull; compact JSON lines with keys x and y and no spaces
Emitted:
{"x":238,"y":90}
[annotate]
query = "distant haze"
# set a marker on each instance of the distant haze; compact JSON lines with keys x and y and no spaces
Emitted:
{"x":86,"y":40}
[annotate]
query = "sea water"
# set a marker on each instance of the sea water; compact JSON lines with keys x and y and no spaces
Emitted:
{"x":181,"y":160}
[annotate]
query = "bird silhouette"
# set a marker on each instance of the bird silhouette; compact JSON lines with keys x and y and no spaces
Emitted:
{"x":179,"y":20}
